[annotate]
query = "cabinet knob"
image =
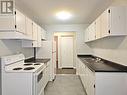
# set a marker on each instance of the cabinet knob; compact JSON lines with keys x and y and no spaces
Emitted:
{"x":108,"y":11}
{"x":109,"y":31}
{"x":15,"y":26}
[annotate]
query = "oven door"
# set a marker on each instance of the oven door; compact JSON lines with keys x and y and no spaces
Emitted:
{"x":39,"y":88}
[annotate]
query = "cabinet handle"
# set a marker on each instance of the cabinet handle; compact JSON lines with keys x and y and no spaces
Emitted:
{"x":15,"y":12}
{"x":15,"y":26}
{"x":109,"y":11}
{"x":94,"y":85}
{"x":32,"y":44}
{"x":109,"y":31}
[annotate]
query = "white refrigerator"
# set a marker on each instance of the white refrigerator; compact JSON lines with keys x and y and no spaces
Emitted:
{"x":48,"y":50}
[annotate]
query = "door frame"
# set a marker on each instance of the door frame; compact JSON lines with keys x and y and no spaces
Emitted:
{"x":68,"y":33}
{"x":61,"y":48}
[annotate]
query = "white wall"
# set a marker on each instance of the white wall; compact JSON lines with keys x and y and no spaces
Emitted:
{"x":82,"y":48}
{"x":112,"y":48}
{"x":8,"y":47}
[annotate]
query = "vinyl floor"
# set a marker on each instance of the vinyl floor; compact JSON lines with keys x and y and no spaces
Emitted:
{"x":66,"y":71}
{"x":65,"y":85}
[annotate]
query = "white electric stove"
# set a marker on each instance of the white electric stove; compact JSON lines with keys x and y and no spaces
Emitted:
{"x":19,"y":78}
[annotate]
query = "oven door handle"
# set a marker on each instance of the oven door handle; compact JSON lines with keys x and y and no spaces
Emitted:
{"x":39,"y":75}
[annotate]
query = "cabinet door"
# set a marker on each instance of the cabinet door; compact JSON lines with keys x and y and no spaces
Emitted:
{"x":117,"y":20}
{"x":35,"y":35}
{"x":93,"y":31}
{"x":43,"y":34}
{"x":7,"y":23}
{"x":87,"y":35}
{"x":98,"y":28}
{"x":35,"y":30}
{"x":77,"y":66}
{"x":105,"y":23}
{"x":39,"y":36}
{"x":29,"y":26}
{"x":20,"y":22}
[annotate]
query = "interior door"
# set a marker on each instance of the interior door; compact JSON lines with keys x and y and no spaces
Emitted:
{"x":67,"y":51}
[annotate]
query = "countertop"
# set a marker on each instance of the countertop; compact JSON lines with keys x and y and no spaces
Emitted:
{"x":102,"y":65}
{"x":40,"y":60}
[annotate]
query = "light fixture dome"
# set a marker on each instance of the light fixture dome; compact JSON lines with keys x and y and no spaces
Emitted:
{"x":63,"y":15}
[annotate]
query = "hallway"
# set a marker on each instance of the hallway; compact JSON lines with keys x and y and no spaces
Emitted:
{"x":65,"y":85}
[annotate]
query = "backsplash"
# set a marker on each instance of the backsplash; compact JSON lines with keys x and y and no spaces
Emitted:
{"x":8,"y":47}
{"x":111,"y":48}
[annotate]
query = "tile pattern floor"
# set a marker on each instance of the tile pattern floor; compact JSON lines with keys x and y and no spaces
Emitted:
{"x":66,"y":71}
{"x":65,"y":85}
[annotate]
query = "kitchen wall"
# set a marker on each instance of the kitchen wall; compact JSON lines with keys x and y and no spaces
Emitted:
{"x":112,"y":48}
{"x":81,"y":47}
{"x":8,"y":47}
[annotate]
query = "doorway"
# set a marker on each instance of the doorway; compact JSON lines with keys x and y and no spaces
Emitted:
{"x":65,"y":52}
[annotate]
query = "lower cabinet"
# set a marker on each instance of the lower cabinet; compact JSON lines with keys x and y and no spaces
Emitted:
{"x":46,"y":75}
{"x":87,"y":77}
{"x":102,"y":83}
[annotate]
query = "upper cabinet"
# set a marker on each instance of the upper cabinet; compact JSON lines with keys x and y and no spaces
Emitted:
{"x":90,"y":32}
{"x":98,"y":28}
{"x":43,"y":36}
{"x":13,"y":26}
{"x":112,"y":22}
{"x":36,"y":29}
{"x":29,"y":27}
{"x":19,"y":26}
{"x":39,"y":35}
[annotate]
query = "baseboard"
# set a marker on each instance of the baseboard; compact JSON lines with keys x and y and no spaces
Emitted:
{"x":67,"y":68}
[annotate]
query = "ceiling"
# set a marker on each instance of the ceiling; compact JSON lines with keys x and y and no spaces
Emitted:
{"x":43,"y":11}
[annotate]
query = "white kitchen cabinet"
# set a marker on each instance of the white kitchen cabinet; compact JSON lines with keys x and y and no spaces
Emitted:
{"x":46,"y":74}
{"x":87,"y":77}
{"x":98,"y":28}
{"x":36,"y":37}
{"x":29,"y":26}
{"x":87,"y":34}
{"x":102,"y":83}
{"x":35,"y":30}
{"x":104,"y":24}
{"x":112,"y":22}
{"x":43,"y":36}
{"x":39,"y":36}
{"x":90,"y":32}
{"x":7,"y":23}
{"x":20,"y":22}
{"x":13,"y":26}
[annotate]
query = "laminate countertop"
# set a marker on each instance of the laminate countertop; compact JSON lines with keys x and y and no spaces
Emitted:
{"x":40,"y":60}
{"x":101,"y":65}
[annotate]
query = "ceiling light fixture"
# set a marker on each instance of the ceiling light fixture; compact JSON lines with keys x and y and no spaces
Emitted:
{"x":63,"y":15}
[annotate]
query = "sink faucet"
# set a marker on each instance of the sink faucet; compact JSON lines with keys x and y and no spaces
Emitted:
{"x":98,"y":59}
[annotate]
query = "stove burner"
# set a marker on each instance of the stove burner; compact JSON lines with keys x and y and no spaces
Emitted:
{"x":29,"y":68}
{"x":37,"y":64}
{"x":28,"y":64}
{"x":17,"y":68}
